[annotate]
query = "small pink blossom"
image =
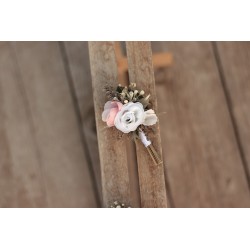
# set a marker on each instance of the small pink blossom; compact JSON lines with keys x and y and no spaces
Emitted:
{"x":111,"y":108}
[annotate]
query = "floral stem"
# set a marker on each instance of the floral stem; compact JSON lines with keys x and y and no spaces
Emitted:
{"x":151,"y":150}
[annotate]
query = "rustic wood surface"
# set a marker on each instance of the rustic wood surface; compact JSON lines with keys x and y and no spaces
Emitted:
{"x":234,"y":60}
{"x":21,"y":174}
{"x":204,"y":166}
{"x":46,"y":154}
{"x":48,"y":142}
{"x":113,"y":156}
{"x":151,"y":177}
{"x":123,"y":79}
{"x":80,"y":78}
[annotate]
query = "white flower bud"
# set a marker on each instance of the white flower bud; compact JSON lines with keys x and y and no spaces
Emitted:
{"x":142,"y":92}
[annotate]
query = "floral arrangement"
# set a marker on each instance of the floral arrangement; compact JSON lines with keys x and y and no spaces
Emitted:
{"x":128,"y":109}
{"x":117,"y":204}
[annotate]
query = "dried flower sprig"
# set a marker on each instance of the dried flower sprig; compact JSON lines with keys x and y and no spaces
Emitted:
{"x":128,"y":94}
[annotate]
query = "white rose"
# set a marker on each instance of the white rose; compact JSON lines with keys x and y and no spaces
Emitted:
{"x":132,"y":115}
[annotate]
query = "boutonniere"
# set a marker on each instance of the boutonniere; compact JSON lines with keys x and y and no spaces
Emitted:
{"x":128,"y":109}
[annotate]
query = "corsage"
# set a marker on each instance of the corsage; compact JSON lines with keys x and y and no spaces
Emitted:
{"x":128,"y":109}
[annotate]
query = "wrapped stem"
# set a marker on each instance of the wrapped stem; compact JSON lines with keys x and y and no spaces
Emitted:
{"x":151,"y":150}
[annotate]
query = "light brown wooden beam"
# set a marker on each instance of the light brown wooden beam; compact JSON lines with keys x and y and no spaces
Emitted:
{"x":160,"y":60}
{"x":151,"y":177}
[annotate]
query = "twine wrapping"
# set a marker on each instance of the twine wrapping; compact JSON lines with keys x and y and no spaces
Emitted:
{"x":147,"y":143}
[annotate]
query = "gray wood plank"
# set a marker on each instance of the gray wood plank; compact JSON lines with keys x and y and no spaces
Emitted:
{"x":21,"y":175}
{"x":67,"y":178}
{"x":235,"y":65}
{"x":204,"y":167}
{"x":78,"y":60}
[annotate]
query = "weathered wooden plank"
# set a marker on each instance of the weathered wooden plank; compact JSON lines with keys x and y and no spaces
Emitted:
{"x":151,"y":178}
{"x":21,"y":177}
{"x":203,"y":162}
{"x":78,"y":59}
{"x":67,"y":178}
{"x":235,"y":62}
{"x":113,"y":157}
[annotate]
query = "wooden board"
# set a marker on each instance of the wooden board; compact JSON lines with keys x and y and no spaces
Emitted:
{"x":21,"y":174}
{"x":43,"y":159}
{"x":204,"y":167}
{"x":235,"y":65}
{"x":151,"y":178}
{"x":78,"y":63}
{"x":49,"y":139}
{"x":113,"y":157}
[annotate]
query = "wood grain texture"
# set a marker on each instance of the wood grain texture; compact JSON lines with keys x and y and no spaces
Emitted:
{"x":151,"y":178}
{"x":78,"y":60}
{"x":42,"y":159}
{"x":204,"y":167}
{"x":21,"y":175}
{"x":235,"y":63}
{"x":113,"y":157}
{"x":135,"y":200}
{"x":55,"y":128}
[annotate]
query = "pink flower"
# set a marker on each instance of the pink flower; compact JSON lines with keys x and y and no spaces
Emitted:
{"x":111,"y":108}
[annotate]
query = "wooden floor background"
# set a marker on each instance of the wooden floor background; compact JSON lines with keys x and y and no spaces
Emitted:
{"x":48,"y":144}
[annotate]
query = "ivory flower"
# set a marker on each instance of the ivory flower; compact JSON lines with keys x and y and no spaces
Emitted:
{"x":132,"y":115}
{"x":150,"y":118}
